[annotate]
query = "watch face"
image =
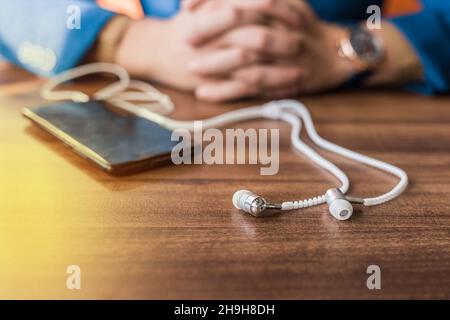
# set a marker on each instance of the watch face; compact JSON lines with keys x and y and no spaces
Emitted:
{"x":366,"y":45}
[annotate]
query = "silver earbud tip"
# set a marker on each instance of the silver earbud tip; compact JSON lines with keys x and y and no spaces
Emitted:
{"x":237,"y":196}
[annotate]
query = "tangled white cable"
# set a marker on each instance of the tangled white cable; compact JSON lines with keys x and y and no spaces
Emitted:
{"x":290,"y":111}
{"x":116,"y":93}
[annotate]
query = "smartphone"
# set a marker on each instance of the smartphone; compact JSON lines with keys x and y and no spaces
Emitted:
{"x":117,"y":141}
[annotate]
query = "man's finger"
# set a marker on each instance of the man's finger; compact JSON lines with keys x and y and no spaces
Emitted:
{"x":223,"y":61}
{"x":280,"y":9}
{"x":270,"y":76}
{"x":305,"y":11}
{"x":226,"y":90}
{"x":271,"y":41}
{"x":213,"y":23}
{"x":289,"y":11}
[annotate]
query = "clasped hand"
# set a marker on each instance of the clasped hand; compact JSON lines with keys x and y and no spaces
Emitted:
{"x":230,"y":49}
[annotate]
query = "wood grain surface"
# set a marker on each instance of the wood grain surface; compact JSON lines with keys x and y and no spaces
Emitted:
{"x":172,"y":233}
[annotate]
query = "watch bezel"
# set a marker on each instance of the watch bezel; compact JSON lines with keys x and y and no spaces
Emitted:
{"x":372,"y":57}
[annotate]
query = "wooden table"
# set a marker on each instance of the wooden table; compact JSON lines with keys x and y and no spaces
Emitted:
{"x":172,"y":233}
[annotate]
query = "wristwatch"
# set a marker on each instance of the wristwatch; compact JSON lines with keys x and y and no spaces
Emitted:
{"x":363,"y":48}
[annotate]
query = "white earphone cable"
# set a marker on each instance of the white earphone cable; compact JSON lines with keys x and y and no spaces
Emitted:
{"x":301,"y":111}
{"x":290,"y":111}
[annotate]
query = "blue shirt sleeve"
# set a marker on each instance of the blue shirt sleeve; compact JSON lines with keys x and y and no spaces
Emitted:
{"x":161,"y":9}
{"x":429,"y":34}
{"x":44,"y":37}
{"x":343,"y":11}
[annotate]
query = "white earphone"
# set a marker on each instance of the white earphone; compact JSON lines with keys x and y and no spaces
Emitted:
{"x":290,"y":111}
{"x":338,"y":204}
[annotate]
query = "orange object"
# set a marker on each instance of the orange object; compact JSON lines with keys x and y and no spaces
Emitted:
{"x":130,"y":8}
{"x":401,"y":7}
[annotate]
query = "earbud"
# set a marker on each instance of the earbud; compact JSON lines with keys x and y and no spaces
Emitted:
{"x":338,"y":205}
{"x":249,"y":202}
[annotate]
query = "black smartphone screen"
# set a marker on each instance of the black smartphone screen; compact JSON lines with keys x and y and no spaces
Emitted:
{"x":113,"y":139}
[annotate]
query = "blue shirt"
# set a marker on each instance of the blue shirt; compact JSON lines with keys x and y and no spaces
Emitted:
{"x":35,"y":34}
